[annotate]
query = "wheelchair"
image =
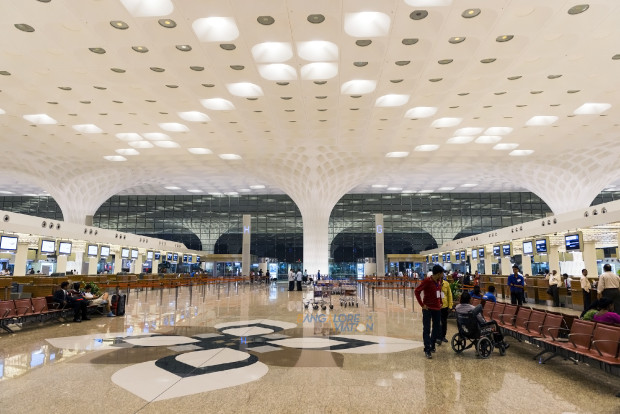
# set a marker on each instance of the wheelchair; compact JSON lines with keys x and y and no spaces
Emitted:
{"x":483,"y":337}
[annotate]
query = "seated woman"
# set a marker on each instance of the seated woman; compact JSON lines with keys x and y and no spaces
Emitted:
{"x":465,"y":307}
{"x":476,"y":293}
{"x":589,"y":313}
{"x":606,"y":314}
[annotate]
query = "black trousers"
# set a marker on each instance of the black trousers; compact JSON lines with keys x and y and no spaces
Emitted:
{"x":291,"y":285}
{"x":79,"y":306}
{"x":299,"y":285}
{"x":614,"y":295}
{"x":444,"y":322}
{"x":516,"y":298}
{"x":555,"y":292}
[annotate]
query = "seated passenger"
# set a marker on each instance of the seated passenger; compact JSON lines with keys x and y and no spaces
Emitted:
{"x":65,"y":298}
{"x":607,"y":314}
{"x":98,"y":300}
{"x":476,"y":294}
{"x":589,"y":313}
{"x":465,"y":307}
{"x":490,"y":295}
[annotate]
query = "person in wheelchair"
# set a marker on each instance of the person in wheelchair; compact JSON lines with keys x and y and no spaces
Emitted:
{"x":472,"y":324}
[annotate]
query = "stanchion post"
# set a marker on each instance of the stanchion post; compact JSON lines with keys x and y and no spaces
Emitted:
{"x":373,"y":298}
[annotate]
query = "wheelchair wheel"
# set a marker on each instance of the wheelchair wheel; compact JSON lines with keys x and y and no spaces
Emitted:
{"x":458,"y":343}
{"x":484,"y":347}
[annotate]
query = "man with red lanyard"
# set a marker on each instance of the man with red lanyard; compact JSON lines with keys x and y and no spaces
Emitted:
{"x":431,"y":309}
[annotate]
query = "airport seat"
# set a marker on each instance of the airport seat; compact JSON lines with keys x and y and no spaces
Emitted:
{"x":507,"y":317}
{"x":498,"y":309}
{"x":487,"y":310}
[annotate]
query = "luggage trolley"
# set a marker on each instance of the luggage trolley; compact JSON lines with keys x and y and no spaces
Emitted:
{"x":348,"y":294}
{"x":322,"y":296}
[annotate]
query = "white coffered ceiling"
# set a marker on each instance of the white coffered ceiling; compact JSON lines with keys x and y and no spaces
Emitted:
{"x":272,"y":95}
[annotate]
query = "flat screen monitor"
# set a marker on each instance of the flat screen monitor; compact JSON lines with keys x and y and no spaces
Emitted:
{"x":463,"y":255}
{"x":443,"y":257}
{"x":93,"y":249}
{"x":134,"y":253}
{"x":157,"y":255}
{"x":496,"y":251}
{"x":457,"y":256}
{"x":184,"y":258}
{"x":481,"y":253}
{"x":197,"y":259}
{"x":474,"y":253}
{"x":169,"y":257}
{"x":572,"y":242}
{"x":189,"y":258}
{"x":125,"y":253}
{"x":48,"y":246}
{"x":506,"y":249}
{"x":105,"y":251}
{"x":541,"y":246}
{"x":528,"y":247}
{"x":149,"y":255}
{"x":175,"y":257}
{"x":8,"y":243}
{"x":448,"y":257}
{"x":64,"y":247}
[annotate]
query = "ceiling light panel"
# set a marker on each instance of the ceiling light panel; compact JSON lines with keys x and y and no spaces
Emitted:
{"x":116,"y":158}
{"x":194,"y":116}
{"x":392,"y":100}
{"x":166,"y":144}
{"x":173,"y":127}
{"x":319,"y":71}
{"x":40,"y":119}
{"x":541,"y":120}
{"x":230,"y":157}
{"x":215,"y":29}
{"x":460,"y":139}
{"x":281,"y":72}
{"x":88,"y":129}
{"x":217,"y":104}
{"x":592,"y":108}
{"x":505,"y":147}
{"x":358,"y":87}
{"x":367,"y":24}
{"x":129,"y":136}
{"x":156,"y":136}
{"x":141,"y":144}
{"x":200,"y":151}
{"x":427,"y":147}
{"x":469,"y":131}
{"x":421,"y":112}
{"x":488,"y":139}
{"x":127,"y":151}
{"x":521,"y":153}
{"x":244,"y":89}
{"x":272,"y":52}
{"x":317,"y":51}
{"x":148,"y":8}
{"x":446,"y":122}
{"x":498,"y":131}
{"x":397,"y":154}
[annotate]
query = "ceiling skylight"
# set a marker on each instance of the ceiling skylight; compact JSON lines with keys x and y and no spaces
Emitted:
{"x":129,"y":136}
{"x":358,"y":87}
{"x":521,"y":153}
{"x":427,"y":147}
{"x":217,"y":104}
{"x":505,"y":147}
{"x":173,"y":127}
{"x":277,"y":72}
{"x":148,"y":8}
{"x":88,"y":129}
{"x":194,"y":116}
{"x":421,"y":112}
{"x":498,"y":131}
{"x":114,"y":158}
{"x":592,"y":108}
{"x":446,"y":122}
{"x":319,"y":71}
{"x":166,"y":144}
{"x":461,"y":139}
{"x":172,"y":187}
{"x":272,"y":52}
{"x":468,"y":131}
{"x":215,"y":29}
{"x":200,"y":151}
{"x":397,"y":154}
{"x":392,"y":100}
{"x":445,"y":188}
{"x":156,"y":136}
{"x":257,"y":187}
{"x":367,"y":24}
{"x":469,"y":185}
{"x":541,"y":120}
{"x":127,"y":151}
{"x":488,"y":139}
{"x":244,"y":89}
{"x":230,"y":156}
{"x":317,"y":51}
{"x":41,"y":119}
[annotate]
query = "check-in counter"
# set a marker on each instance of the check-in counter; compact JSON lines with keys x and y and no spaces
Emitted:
{"x":39,"y":290}
{"x":531,"y":289}
{"x":541,"y":291}
{"x":501,"y":286}
{"x":5,"y":288}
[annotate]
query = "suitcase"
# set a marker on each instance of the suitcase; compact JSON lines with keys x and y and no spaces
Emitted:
{"x":118,"y":304}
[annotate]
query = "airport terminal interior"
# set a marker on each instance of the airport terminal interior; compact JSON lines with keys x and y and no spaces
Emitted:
{"x":183,"y":157}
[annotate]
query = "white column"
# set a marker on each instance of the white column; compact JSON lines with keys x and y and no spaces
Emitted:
{"x":506,"y":266}
{"x":61,"y":263}
{"x":554,"y":258}
{"x":118,"y":262}
{"x":154,"y":266}
{"x":137,"y":264}
{"x":489,"y":259}
{"x":92,"y":265}
{"x":21,"y":258}
{"x":526,"y":264}
{"x":316,"y":249}
{"x":245,"y":246}
{"x":589,"y":258}
{"x":380,"y":245}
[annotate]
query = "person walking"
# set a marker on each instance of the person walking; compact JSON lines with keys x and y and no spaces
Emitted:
{"x":608,"y":284}
{"x":431,"y":309}
{"x":516,"y":283}
{"x":446,"y":306}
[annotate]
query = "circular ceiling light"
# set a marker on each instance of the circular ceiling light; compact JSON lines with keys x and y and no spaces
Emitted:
{"x":24,"y":27}
{"x":282,"y":83}
{"x":580,"y":8}
{"x":469,"y":13}
{"x":435,"y":79}
{"x":514,"y":77}
{"x":156,"y":69}
{"x":488,"y":60}
{"x":118,"y":24}
{"x":408,"y":41}
{"x":316,"y":18}
{"x":553,"y":76}
{"x":265,"y":20}
{"x":457,"y":39}
{"x":237,"y":67}
{"x":64,"y":88}
{"x":140,"y":49}
{"x":396,"y":80}
{"x":167,"y":23}
{"x":118,"y":70}
{"x":228,"y":46}
{"x":504,"y":38}
{"x":197,"y":68}
{"x":97,"y":50}
{"x":444,"y":61}
{"x":363,"y":42}
{"x":320,"y":82}
{"x":402,"y":62}
{"x":616,"y":57}
{"x":184,"y":48}
{"x":418,"y":14}
{"x":360,"y":64}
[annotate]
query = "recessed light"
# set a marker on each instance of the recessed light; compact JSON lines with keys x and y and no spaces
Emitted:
{"x":504,"y":38}
{"x":469,"y":13}
{"x":418,"y":14}
{"x":360,"y":64}
{"x":444,"y":61}
{"x":553,"y":76}
{"x":616,"y":57}
{"x":208,"y":85}
{"x":408,"y":41}
{"x":286,"y":98}
{"x":97,"y":50}
{"x":197,"y":68}
{"x":536,"y":92}
{"x":237,"y":67}
{"x":488,"y":60}
{"x":580,"y":8}
{"x":397,"y":154}
{"x":455,"y":40}
{"x":5,"y":73}
{"x":230,"y":157}
{"x":167,"y":23}
{"x":396,"y":80}
{"x":363,"y":42}
{"x":228,"y":46}
{"x":24,"y":27}
{"x":118,"y":24}
{"x":320,"y":82}
{"x":321,"y":110}
{"x":514,"y":77}
{"x":435,"y":79}
{"x":156,"y":69}
{"x":140,"y":49}
{"x":64,"y":88}
{"x":499,"y":93}
{"x":265,"y":20}
{"x":321,"y":97}
{"x":316,"y":18}
{"x":573,"y":90}
{"x":184,"y":48}
{"x":402,"y":62}
{"x":282,"y":83}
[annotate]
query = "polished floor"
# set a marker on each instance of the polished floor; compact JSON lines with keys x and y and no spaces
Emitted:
{"x":258,"y":350}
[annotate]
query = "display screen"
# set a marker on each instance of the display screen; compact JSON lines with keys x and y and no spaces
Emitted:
{"x":463,"y":255}
{"x":443,"y":257}
{"x":197,"y":259}
{"x":572,"y":242}
{"x":134,"y":253}
{"x":541,"y":246}
{"x":157,"y":255}
{"x":184,"y":258}
{"x":448,"y":257}
{"x":64,"y":248}
{"x":48,"y":246}
{"x":125,"y":253}
{"x":189,"y":259}
{"x":8,"y":243}
{"x":457,"y":256}
{"x":105,"y":251}
{"x":149,"y":255}
{"x":93,"y":249}
{"x":528,"y":247}
{"x":506,"y":249}
{"x":481,"y":253}
{"x":175,"y":257}
{"x":474,"y":253}
{"x":169,"y":256}
{"x":496,"y":251}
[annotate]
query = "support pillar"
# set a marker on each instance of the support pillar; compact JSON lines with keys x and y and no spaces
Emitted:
{"x":154,"y":265}
{"x":380,"y":245}
{"x":137,"y":264}
{"x":245,"y":247}
{"x":589,"y":258}
{"x":316,"y":249}
{"x":488,"y":261}
{"x":21,"y":258}
{"x":118,"y":263}
{"x":506,"y":266}
{"x":92,"y":265}
{"x":61,"y":263}
{"x":554,"y":258}
{"x":526,"y":264}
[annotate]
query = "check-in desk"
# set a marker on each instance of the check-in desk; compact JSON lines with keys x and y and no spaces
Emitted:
{"x":5,"y":288}
{"x":531,"y":289}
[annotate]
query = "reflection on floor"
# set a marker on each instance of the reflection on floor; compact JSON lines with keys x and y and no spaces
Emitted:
{"x":258,"y":349}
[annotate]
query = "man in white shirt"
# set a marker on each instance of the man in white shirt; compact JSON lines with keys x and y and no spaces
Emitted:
{"x":585,"y":288}
{"x":555,"y":283}
{"x":98,"y":300}
{"x":291,"y":280}
{"x":298,"y":277}
{"x":608,"y":284}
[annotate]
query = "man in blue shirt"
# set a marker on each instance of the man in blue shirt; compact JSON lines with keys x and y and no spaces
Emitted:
{"x":490,"y":295}
{"x":476,"y":294}
{"x":516,"y":283}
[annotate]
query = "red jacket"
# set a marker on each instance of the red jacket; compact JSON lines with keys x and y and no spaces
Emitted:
{"x":432,"y":293}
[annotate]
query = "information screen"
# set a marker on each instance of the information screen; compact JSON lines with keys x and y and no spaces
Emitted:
{"x":474,"y":253}
{"x":481,"y":253}
{"x":93,"y":249}
{"x":157,"y":255}
{"x":105,"y":251}
{"x":506,"y":249}
{"x":149,"y":255}
{"x":528,"y":247}
{"x":48,"y":246}
{"x":8,"y":243}
{"x":541,"y":246}
{"x":134,"y":253}
{"x":125,"y":253}
{"x":572,"y":242}
{"x":496,"y":251}
{"x":64,"y":248}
